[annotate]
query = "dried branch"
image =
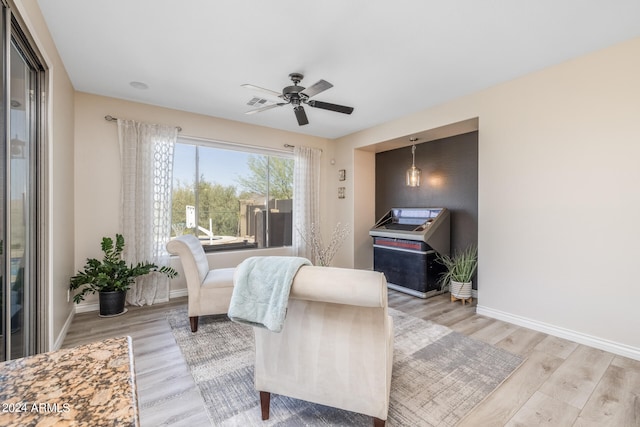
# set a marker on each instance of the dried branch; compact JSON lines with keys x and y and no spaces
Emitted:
{"x":324,"y":254}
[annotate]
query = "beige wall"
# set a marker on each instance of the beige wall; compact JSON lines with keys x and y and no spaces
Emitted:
{"x":559,"y":204}
{"x":364,"y":202}
{"x":58,"y":213}
{"x":558,"y":197}
{"x":97,"y":171}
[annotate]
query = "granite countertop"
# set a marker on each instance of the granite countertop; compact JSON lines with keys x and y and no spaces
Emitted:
{"x":90,"y":385}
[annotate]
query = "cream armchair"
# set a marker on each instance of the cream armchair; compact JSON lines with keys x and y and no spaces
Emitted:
{"x":209,"y":290}
{"x":336,"y":346}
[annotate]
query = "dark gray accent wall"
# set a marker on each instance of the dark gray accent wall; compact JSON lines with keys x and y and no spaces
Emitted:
{"x":449,"y":179}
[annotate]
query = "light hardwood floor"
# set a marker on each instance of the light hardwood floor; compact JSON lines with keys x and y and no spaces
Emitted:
{"x":561,"y":383}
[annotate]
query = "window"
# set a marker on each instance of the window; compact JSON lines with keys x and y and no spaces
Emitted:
{"x":232,"y":197}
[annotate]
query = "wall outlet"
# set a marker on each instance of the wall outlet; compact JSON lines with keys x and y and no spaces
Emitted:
{"x":68,"y":295}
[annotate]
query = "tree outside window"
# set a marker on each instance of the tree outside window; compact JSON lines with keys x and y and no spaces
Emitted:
{"x":239,"y":199}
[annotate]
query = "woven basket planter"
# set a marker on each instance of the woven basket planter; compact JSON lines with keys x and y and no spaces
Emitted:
{"x":460,"y":290}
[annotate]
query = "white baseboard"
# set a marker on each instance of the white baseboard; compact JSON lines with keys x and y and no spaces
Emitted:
{"x":63,"y":333}
{"x":178,"y":293}
{"x":579,"y":337}
{"x":86,"y":307}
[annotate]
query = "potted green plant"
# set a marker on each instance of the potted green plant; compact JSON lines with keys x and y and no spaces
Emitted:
{"x":459,"y":271}
{"x":111,"y":277}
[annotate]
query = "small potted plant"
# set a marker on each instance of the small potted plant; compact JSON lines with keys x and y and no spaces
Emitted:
{"x":111,"y":277}
{"x":459,"y":271}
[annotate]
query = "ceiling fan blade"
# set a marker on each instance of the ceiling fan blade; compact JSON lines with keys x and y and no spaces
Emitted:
{"x":261,"y":89}
{"x":316,"y":88}
{"x":332,"y":107}
{"x":301,"y":115}
{"x":268,"y":107}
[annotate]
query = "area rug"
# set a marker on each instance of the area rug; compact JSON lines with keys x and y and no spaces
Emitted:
{"x":438,"y":375}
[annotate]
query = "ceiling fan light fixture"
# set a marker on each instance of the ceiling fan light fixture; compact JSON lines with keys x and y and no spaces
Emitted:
{"x":413,"y":173}
{"x":297,"y":95}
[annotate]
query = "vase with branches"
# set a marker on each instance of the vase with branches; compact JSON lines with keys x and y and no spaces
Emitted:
{"x":322,"y":253}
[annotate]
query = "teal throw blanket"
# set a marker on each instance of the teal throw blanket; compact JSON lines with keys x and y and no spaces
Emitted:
{"x":261,"y":290}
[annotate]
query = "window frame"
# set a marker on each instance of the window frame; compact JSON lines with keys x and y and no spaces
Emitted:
{"x":241,"y":147}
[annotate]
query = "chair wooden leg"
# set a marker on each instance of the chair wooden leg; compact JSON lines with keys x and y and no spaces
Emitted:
{"x":265,"y":400}
{"x":377,"y":422}
{"x":194,"y":323}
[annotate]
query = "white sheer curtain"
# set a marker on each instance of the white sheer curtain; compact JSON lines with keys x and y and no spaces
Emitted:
{"x":146,"y":152}
{"x":306,"y":197}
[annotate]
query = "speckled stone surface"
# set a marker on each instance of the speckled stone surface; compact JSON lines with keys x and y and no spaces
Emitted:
{"x":90,"y":385}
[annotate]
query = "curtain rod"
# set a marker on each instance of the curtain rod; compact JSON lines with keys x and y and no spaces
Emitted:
{"x":293,"y":146}
{"x":114,"y":119}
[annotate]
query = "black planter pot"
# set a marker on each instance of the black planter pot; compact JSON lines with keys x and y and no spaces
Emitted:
{"x":112,"y":303}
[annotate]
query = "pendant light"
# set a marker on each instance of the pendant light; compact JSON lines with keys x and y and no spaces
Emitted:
{"x":413,"y":173}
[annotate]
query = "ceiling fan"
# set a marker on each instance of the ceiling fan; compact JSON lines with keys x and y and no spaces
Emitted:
{"x":297,"y":96}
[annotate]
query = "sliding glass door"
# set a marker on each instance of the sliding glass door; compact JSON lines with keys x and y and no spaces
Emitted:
{"x":5,"y":309}
{"x":21,"y":119}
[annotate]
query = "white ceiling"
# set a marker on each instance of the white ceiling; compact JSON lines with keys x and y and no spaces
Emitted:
{"x":386,"y":59}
